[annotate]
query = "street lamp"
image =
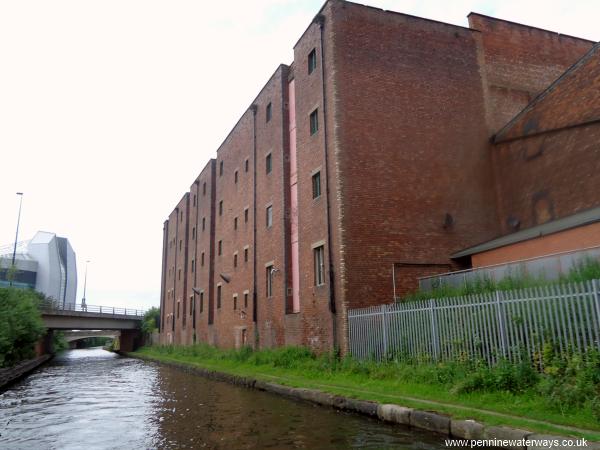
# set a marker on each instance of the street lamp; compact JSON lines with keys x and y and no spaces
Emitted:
{"x":83,"y":305}
{"x":20,"y":194}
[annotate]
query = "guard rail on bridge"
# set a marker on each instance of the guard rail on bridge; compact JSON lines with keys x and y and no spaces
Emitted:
{"x":51,"y":305}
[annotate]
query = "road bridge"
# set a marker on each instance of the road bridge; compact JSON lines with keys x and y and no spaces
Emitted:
{"x":70,"y":316}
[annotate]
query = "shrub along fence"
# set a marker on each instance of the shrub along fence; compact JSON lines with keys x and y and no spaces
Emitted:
{"x":499,"y":325}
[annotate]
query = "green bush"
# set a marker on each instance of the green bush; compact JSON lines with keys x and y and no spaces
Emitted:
{"x":151,"y":320}
{"x":21,"y":324}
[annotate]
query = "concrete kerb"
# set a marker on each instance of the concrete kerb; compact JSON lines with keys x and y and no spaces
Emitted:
{"x":426,"y":420}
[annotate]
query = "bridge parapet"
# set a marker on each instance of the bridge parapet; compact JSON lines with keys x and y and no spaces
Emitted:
{"x":55,"y":306}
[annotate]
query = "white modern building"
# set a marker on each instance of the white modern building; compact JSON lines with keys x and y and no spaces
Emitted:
{"x":46,"y":263}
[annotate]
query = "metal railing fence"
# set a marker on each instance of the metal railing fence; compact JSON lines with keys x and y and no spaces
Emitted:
{"x":52,"y":305}
{"x":503,"y":324}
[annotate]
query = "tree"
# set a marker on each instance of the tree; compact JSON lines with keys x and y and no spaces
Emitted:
{"x":21,"y":324}
{"x":151,"y":320}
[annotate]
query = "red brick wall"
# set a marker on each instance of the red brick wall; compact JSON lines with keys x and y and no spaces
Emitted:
{"x":410,"y":145}
{"x":547,"y":176}
{"x":568,"y":240}
{"x":518,"y":63}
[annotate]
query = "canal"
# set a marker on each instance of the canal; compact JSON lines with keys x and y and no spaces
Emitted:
{"x":93,"y":399}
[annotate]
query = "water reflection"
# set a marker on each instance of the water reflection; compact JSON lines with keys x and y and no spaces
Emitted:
{"x":94,"y":399}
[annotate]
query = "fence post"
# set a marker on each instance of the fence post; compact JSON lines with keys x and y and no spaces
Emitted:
{"x":435,"y":339}
{"x":384,"y":329}
{"x":501,"y":325}
{"x":596,"y":286}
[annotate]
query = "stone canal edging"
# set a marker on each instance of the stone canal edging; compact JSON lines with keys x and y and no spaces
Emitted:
{"x":426,"y":420}
{"x":11,"y":374}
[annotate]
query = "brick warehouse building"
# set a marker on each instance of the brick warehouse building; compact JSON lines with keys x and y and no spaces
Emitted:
{"x":361,"y":166}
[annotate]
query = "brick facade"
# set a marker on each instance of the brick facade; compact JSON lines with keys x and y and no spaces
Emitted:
{"x":367,"y":159}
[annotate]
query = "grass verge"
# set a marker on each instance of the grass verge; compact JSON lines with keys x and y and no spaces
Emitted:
{"x":427,"y":387}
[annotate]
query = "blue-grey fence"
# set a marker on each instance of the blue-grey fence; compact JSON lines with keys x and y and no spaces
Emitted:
{"x":503,"y":324}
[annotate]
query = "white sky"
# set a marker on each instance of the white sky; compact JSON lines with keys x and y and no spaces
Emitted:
{"x":99,"y":100}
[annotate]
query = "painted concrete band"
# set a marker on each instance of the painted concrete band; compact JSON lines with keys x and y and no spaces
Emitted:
{"x":426,"y":420}
{"x":14,"y":373}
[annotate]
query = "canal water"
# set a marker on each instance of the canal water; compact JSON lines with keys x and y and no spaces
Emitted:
{"x":93,"y":399}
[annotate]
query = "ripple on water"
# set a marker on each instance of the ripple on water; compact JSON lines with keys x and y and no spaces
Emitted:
{"x":93,"y":399}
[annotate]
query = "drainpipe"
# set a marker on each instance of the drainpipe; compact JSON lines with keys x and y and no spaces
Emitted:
{"x":254,"y":109}
{"x":320,"y":20}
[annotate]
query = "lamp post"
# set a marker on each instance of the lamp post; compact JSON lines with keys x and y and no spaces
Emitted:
{"x":83,"y":305}
{"x":20,"y":194}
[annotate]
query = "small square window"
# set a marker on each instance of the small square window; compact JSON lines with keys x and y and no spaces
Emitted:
{"x":219,"y":296}
{"x":316,"y":185}
{"x":221,"y":168}
{"x":246,"y":165}
{"x":235,"y":223}
{"x":220,"y":248}
{"x":246,"y":255}
{"x":312,"y":61}
{"x":269,"y":216}
{"x":319,"y":265}
{"x":245,"y":299}
{"x":269,"y":112}
{"x":269,"y":163}
{"x":269,"y":286}
{"x":314,"y":121}
{"x":246,"y":215}
{"x":221,"y":207}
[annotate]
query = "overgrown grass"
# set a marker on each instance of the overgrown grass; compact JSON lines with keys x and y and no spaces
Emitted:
{"x":584,"y":270}
{"x":565,"y":395}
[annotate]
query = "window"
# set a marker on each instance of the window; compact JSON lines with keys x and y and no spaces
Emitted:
{"x":202,"y":301}
{"x":194,"y":233}
{"x":235,"y":223}
{"x":181,"y":216}
{"x":180,"y":242}
{"x":246,"y":215}
{"x":221,"y":169}
{"x":269,"y":163}
{"x":314,"y":121}
{"x":219,"y":296}
{"x":246,"y":254}
{"x":202,"y":259}
{"x":319,"y":262}
{"x":220,"y":248}
{"x":191,"y":305}
{"x":203,"y":223}
{"x":235,"y":255}
{"x":235,"y":177}
{"x":269,"y":287}
{"x":269,"y":112}
{"x":194,"y":199}
{"x":269,"y":216}
{"x":235,"y":301}
{"x":178,"y":309}
{"x":245,"y":299}
{"x":204,"y":188}
{"x":179,"y":274}
{"x":316,"y":185}
{"x":221,"y":207}
{"x":193,"y":266}
{"x":246,"y":165}
{"x":312,"y":61}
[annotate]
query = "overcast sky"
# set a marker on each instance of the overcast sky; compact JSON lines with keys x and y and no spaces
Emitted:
{"x":101,"y":101}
